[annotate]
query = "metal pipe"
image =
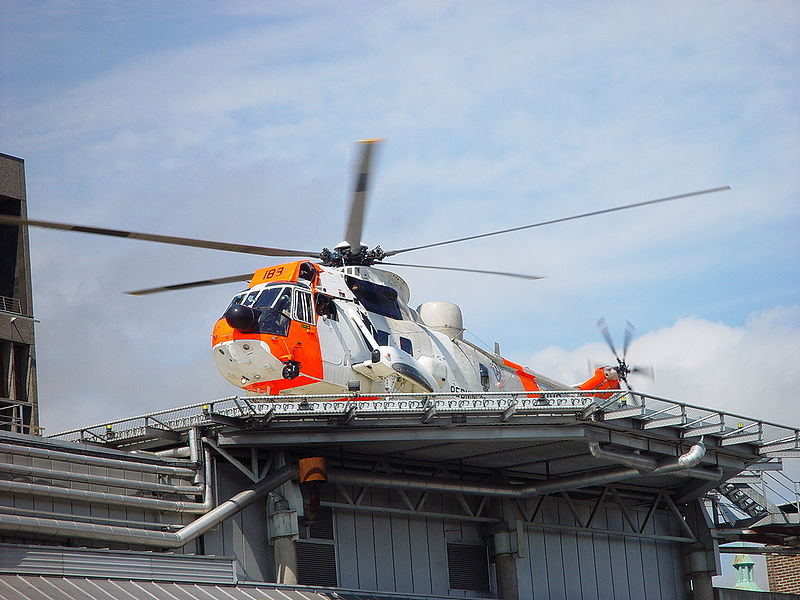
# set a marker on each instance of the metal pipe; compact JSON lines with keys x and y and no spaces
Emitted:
{"x":95,"y":461}
{"x":637,"y":464}
{"x":650,"y":466}
{"x":92,"y":519}
{"x":132,"y":484}
{"x":90,"y":497}
{"x":181,"y":452}
{"x":500,"y":490}
{"x":129,"y":501}
{"x":143,"y":537}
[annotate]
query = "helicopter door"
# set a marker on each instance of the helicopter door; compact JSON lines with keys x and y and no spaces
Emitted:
{"x":303,"y":340}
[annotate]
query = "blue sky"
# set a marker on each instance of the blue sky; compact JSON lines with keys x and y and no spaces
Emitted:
{"x":236,"y":121}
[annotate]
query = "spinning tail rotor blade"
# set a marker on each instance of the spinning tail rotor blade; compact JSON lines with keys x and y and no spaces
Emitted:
{"x":481,"y":271}
{"x":192,"y":284}
{"x":603,"y":327}
{"x":355,"y":220}
{"x":645,"y":371}
{"x":164,"y":239}
{"x":561,"y":220}
{"x":629,"y":330}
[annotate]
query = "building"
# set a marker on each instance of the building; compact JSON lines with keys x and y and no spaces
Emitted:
{"x":426,"y":496}
{"x":18,"y":396}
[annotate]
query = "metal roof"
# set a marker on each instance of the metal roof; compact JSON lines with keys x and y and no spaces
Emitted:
{"x":33,"y":587}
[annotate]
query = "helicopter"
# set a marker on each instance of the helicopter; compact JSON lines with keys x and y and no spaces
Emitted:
{"x":335,"y":322}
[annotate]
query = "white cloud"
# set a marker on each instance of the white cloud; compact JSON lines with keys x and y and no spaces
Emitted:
{"x":749,"y":370}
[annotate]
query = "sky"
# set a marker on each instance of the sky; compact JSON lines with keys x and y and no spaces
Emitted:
{"x":235,"y":121}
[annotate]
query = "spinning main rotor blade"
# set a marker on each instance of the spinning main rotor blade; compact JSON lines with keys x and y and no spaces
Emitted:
{"x":192,"y":284}
{"x":482,"y":272}
{"x":164,"y":239}
{"x":355,"y":220}
{"x":561,"y":220}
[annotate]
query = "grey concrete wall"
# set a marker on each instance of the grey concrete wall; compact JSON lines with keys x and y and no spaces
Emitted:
{"x":18,"y":268}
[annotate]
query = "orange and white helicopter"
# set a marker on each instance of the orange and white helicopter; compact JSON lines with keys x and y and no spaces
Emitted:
{"x":340,"y":324}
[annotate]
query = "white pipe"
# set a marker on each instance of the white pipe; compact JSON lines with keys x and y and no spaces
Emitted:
{"x":144,"y":537}
{"x":132,"y":484}
{"x":95,"y":461}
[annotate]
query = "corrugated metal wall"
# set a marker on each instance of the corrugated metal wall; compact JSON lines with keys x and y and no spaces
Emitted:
{"x":26,"y":502}
{"x":403,"y":553}
{"x":112,"y":564}
{"x":397,"y":552}
{"x":244,"y":536}
{"x":565,"y":565}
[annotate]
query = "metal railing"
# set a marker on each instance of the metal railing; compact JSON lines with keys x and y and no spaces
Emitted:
{"x":652,"y":412}
{"x":11,"y":305}
{"x":424,"y":407}
{"x":635,"y":410}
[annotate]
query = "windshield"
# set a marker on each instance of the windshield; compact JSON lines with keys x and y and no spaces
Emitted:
{"x":274,"y":305}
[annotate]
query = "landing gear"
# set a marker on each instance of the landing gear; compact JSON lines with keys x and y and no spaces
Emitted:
{"x":291,"y":369}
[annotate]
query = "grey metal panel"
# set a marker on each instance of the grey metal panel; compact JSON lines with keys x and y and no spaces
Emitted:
{"x":603,"y":558}
{"x":553,"y":557}
{"x":569,"y":553}
{"x":402,"y":553}
{"x":587,"y":565}
{"x":384,"y":545}
{"x":437,"y":549}
{"x":365,"y":550}
{"x":664,"y":558}
{"x":77,"y":562}
{"x":346,"y":546}
{"x":420,"y":562}
{"x":633,"y":557}
{"x":619,"y":566}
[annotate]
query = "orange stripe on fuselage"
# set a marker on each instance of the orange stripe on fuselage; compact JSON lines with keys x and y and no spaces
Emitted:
{"x":527,"y":380}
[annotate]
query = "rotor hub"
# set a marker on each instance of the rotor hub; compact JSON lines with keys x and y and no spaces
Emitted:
{"x":342,"y":255}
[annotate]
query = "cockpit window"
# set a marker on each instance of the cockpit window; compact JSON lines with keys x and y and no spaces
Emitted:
{"x":251,"y":297}
{"x":302,"y":307}
{"x":267,"y":297}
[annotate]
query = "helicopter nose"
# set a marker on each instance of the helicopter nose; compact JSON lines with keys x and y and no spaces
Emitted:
{"x":243,"y":318}
{"x":244,"y":362}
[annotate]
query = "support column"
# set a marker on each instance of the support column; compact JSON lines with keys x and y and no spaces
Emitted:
{"x":505,"y":566}
{"x":702,"y":556}
{"x":283,"y":533}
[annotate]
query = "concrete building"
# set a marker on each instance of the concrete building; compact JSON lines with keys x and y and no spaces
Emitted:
{"x":516,"y":495}
{"x":18,"y":396}
{"x":497,"y":496}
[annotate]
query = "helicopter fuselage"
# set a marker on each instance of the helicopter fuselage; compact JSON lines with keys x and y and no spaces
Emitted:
{"x":304,"y":328}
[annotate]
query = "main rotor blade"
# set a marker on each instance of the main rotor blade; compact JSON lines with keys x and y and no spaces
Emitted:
{"x":192,"y":284}
{"x":164,"y":239}
{"x":561,"y":220}
{"x":355,"y":220}
{"x":481,"y":271}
